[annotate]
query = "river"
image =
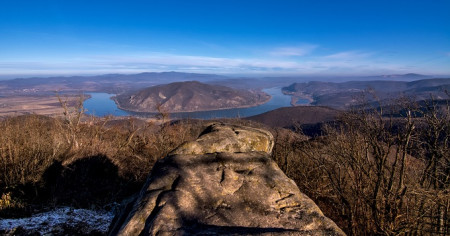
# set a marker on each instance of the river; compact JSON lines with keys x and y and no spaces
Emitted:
{"x":100,"y":104}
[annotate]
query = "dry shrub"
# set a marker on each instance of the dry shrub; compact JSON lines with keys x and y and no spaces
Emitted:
{"x":377,"y":171}
{"x":28,"y":145}
{"x":41,"y":158}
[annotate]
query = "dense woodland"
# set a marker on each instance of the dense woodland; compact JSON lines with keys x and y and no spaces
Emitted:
{"x":379,"y":168}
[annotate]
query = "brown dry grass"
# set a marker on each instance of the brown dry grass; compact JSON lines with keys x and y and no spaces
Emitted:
{"x":41,"y":158}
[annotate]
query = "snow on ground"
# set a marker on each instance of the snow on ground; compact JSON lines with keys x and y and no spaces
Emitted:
{"x":60,"y":218}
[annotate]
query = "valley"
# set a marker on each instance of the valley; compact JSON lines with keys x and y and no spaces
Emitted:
{"x":148,"y":118}
{"x":38,"y":95}
{"x":98,"y":157}
{"x":47,"y":105}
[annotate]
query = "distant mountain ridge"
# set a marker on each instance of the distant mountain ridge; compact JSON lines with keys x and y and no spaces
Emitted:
{"x":189,"y":96}
{"x":110,"y":83}
{"x":340,"y":95}
{"x":400,"y":77}
{"x":120,"y":83}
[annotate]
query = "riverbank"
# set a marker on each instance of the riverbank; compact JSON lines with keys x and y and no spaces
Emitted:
{"x":101,"y":105}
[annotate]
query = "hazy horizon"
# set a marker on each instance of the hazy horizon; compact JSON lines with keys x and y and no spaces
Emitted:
{"x":234,"y":38}
{"x":336,"y":78}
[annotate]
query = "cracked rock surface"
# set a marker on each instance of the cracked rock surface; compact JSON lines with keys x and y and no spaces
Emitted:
{"x":226,"y":192}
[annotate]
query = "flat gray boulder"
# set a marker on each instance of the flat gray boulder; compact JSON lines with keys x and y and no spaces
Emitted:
{"x":237,"y":191}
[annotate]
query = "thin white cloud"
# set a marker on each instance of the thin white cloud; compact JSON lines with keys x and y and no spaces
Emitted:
{"x":351,"y":62}
{"x":194,"y":61}
{"x":294,"y":51}
{"x":348,"y":55}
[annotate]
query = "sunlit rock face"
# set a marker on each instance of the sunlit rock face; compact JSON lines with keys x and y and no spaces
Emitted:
{"x":219,"y":137}
{"x":228,"y":187}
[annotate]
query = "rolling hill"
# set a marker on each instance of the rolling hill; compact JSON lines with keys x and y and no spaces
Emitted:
{"x":188,"y":97}
{"x":341,"y":95}
{"x":287,"y":117}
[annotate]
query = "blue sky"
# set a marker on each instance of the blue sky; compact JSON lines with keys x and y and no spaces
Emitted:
{"x":225,"y":37}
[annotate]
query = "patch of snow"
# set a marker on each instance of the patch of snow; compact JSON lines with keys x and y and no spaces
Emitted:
{"x":47,"y":222}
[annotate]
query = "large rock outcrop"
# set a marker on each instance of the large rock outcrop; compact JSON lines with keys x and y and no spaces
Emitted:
{"x":223,"y":183}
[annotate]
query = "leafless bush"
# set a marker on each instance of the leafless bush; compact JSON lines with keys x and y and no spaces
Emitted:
{"x":381,"y":170}
{"x":33,"y":146}
{"x":28,"y":145}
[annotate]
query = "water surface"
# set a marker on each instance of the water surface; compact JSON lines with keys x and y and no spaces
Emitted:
{"x":100,"y":104}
